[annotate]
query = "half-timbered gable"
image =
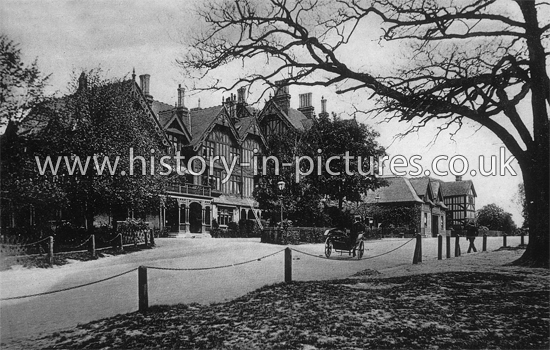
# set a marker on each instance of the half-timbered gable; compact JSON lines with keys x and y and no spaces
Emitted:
{"x":459,"y":196}
{"x":277,"y":117}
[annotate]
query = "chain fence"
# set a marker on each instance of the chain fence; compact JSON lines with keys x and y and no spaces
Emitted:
{"x":67,"y":246}
{"x":187,"y":269}
{"x":70,"y":288}
{"x":213,"y":267}
{"x":363,"y":258}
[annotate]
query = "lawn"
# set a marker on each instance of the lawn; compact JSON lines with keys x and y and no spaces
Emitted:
{"x":449,"y":310}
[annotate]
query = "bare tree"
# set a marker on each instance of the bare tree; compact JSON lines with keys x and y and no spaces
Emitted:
{"x":478,"y":60}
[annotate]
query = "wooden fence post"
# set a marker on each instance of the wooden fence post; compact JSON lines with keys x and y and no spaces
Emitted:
{"x":457,"y":245}
{"x":92,"y":245}
{"x":143,"y":300}
{"x":448,"y":246}
{"x":420,"y":253}
{"x":504,"y":239}
{"x":50,"y":251}
{"x":288,"y":265}
{"x":439,"y":247}
{"x":417,"y":257}
{"x":484,"y":242}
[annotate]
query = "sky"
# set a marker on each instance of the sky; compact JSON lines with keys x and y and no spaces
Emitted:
{"x":148,"y":36}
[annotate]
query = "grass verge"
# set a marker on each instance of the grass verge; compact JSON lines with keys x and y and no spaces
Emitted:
{"x":451,"y":310}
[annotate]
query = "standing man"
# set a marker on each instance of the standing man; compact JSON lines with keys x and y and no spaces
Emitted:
{"x":471,"y":234}
{"x":356,"y":229}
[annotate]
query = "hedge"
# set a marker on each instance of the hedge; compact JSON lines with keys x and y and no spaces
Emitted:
{"x":294,"y":235}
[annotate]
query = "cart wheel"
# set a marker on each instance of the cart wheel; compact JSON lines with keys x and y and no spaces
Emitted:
{"x":361,"y":250}
{"x":328,"y":248}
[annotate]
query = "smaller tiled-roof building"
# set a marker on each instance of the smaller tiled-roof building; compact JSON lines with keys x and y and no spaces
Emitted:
{"x":442,"y":205}
{"x":422,"y":194}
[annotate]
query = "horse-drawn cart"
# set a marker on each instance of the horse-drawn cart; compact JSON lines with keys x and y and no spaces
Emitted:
{"x":339,"y":241}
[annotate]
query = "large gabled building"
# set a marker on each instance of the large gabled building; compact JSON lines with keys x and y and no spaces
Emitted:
{"x":232,"y":130}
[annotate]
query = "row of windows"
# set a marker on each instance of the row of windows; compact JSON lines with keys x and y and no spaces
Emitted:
{"x":225,"y":215}
{"x":454,"y":200}
{"x":273,"y":125}
{"x":220,"y":144}
{"x":248,"y":150}
{"x":175,"y":142}
{"x":231,"y":186}
{"x":459,"y":215}
{"x":460,"y":200}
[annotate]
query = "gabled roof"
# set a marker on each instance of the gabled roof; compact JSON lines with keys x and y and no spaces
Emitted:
{"x":294,"y":118}
{"x":165,"y":117}
{"x":298,"y":119}
{"x":175,"y":125}
{"x":245,"y":125}
{"x":253,"y":129}
{"x":399,"y":190}
{"x":457,"y":188}
{"x":201,"y":121}
{"x":158,"y":107}
{"x":431,"y":186}
{"x":421,"y":185}
{"x":148,"y":110}
{"x":37,"y":121}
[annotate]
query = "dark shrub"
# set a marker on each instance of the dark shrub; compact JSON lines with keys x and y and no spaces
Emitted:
{"x":215,"y":224}
{"x":233,"y":229}
{"x":339,"y":218}
{"x":242,"y":228}
{"x":69,"y":234}
{"x":160,"y":232}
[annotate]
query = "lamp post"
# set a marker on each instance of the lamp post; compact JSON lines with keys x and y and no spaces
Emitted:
{"x":281,"y":185}
{"x":377,"y":199}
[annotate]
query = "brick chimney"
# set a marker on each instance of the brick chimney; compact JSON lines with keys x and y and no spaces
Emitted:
{"x":324,"y":112}
{"x":181,"y":110}
{"x":230,"y":104}
{"x":144,"y":80}
{"x":305,"y":105}
{"x":282,"y":97}
{"x":241,"y":95}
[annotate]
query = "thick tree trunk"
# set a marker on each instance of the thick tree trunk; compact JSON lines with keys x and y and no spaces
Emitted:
{"x":535,"y":164}
{"x":536,"y":195}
